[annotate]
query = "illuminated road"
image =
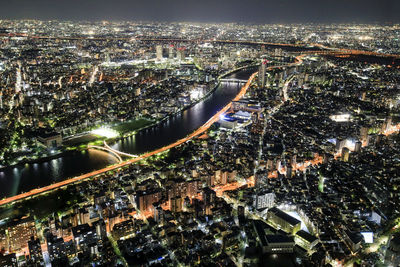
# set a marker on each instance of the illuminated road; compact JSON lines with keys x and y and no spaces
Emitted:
{"x":175,"y":40}
{"x":197,"y":132}
{"x":76,"y":179}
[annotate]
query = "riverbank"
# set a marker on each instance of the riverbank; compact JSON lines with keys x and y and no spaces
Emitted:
{"x":77,"y":179}
{"x":81,"y":146}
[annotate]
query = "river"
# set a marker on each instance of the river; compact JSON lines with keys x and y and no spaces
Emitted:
{"x":22,"y":178}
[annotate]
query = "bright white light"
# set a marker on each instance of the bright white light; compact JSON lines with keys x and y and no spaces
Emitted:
{"x":195,"y":94}
{"x":365,"y":38}
{"x":340,"y":117}
{"x":106,"y":132}
{"x":222,"y":117}
{"x":350,"y":144}
{"x":297,"y":216}
{"x":368,"y":237}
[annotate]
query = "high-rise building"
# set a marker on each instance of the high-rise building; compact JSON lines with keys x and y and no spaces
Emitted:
{"x":101,"y":229}
{"x":171,"y":52}
{"x":181,"y":53}
{"x":289,"y":171}
{"x":176,"y":204}
{"x":261,"y":73}
{"x":159,"y":52}
{"x":265,"y":200}
{"x":35,"y":250}
{"x":18,"y":83}
{"x":56,"y":247}
{"x":145,"y":199}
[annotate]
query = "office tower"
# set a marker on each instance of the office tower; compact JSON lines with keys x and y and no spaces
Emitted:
{"x":18,"y":83}
{"x":181,"y":53}
{"x":171,"y":52}
{"x":261,"y":73}
{"x":159,"y":52}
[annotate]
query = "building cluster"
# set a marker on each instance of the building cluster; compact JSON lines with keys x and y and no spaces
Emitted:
{"x":302,"y":171}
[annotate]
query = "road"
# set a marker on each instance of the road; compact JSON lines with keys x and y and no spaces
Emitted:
{"x":80,"y":178}
{"x":198,"y":132}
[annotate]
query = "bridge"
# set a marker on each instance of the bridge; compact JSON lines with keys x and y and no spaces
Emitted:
{"x":201,"y":130}
{"x":119,"y":152}
{"x":113,"y":151}
{"x":107,"y":150}
{"x":233,"y":80}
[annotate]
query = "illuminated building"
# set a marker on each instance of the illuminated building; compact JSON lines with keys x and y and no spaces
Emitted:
{"x":282,"y":220}
{"x":265,"y":200}
{"x":181,"y":53}
{"x":261,"y":73}
{"x":353,"y":239}
{"x":364,"y":134}
{"x":228,"y":122}
{"x":50,"y":140}
{"x":176,"y":204}
{"x":278,"y":244}
{"x":340,"y":143}
{"x":345,"y":154}
{"x":123,"y":229}
{"x":159,"y":52}
{"x":18,"y":83}
{"x":56,"y":248}
{"x":20,"y":234}
{"x":392,"y":256}
{"x":145,"y":199}
{"x":9,"y":260}
{"x":171,"y":52}
{"x":35,"y":250}
{"x":273,"y":243}
{"x":305,"y":240}
{"x":84,"y":237}
{"x":101,"y":229}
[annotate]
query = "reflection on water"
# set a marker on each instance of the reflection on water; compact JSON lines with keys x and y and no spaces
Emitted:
{"x":15,"y":180}
{"x":185,"y":123}
{"x":25,"y":177}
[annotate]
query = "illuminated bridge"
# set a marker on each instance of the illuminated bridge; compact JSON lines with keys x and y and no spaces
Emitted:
{"x":200,"y":130}
{"x":107,"y":150}
{"x":119,"y":152}
{"x":113,"y":151}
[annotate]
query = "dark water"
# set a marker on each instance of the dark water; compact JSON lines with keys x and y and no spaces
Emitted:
{"x":23,"y":178}
{"x":15,"y":180}
{"x":182,"y":124}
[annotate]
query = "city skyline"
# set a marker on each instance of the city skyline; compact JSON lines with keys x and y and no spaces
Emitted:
{"x":199,"y":144}
{"x":252,"y":11}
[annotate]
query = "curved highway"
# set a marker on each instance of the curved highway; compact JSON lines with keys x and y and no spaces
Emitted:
{"x":195,"y":133}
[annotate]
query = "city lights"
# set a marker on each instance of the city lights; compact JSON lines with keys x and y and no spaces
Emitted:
{"x":218,"y":141}
{"x":105,"y":132}
{"x":341,"y":117}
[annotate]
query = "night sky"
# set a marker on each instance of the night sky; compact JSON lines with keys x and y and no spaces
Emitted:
{"x":249,"y":11}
